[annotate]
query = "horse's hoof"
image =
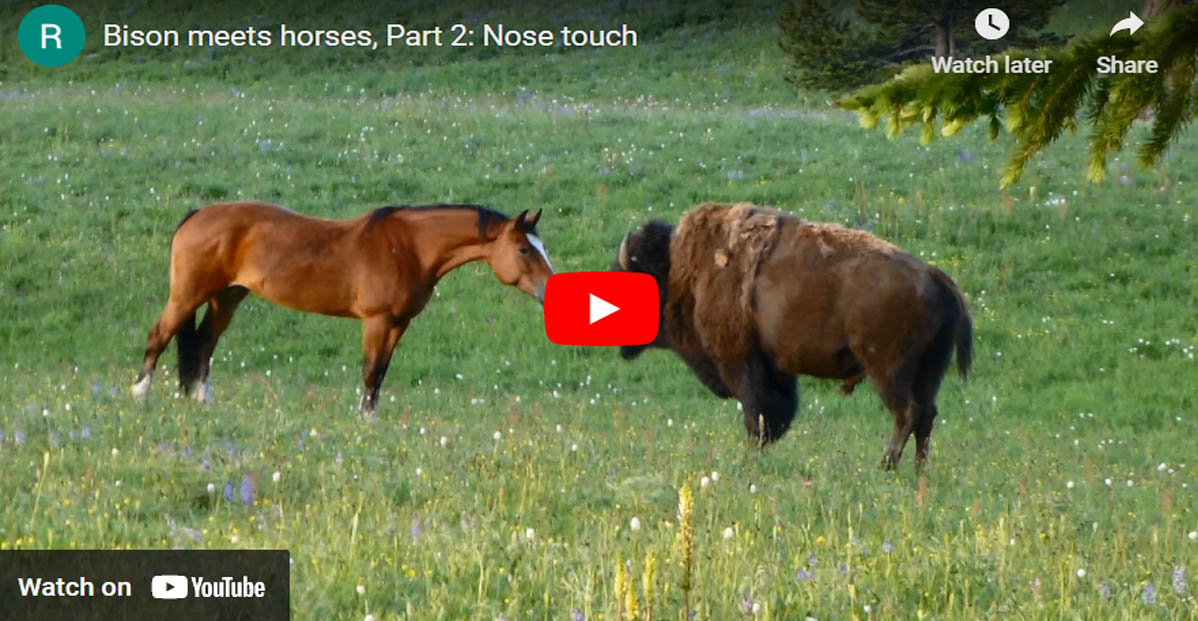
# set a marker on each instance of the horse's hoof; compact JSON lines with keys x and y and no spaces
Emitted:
{"x":141,"y":388}
{"x":201,"y":392}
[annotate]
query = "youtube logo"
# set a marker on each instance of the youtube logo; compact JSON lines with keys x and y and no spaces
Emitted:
{"x":601,"y":308}
{"x":168,"y":586}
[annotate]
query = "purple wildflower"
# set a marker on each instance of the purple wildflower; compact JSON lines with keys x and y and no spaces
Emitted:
{"x":746,"y":602}
{"x":1,"y":435}
{"x":415,"y":529}
{"x":228,"y":491}
{"x":577,"y":615}
{"x":803,"y":575}
{"x":1104,"y":590}
{"x":247,"y":491}
{"x":187,"y":451}
{"x":97,"y":388}
{"x":206,"y":465}
{"x":1149,"y":594}
{"x":18,"y":437}
{"x":887,"y":547}
{"x":1179,"y":580}
{"x":85,"y":433}
{"x":844,"y":569}
{"x":812,"y":561}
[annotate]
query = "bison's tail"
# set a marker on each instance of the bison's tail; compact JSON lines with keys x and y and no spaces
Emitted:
{"x":963,"y":330}
{"x":964,"y":340}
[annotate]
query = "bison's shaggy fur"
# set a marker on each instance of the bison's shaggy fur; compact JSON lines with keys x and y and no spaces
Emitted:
{"x":752,"y":297}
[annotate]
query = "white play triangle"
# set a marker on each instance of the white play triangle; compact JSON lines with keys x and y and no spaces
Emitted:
{"x":601,"y":308}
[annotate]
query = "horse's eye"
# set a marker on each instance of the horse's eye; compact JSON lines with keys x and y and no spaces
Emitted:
{"x":523,"y":249}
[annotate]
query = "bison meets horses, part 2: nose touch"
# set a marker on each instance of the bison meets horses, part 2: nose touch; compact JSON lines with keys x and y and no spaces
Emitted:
{"x":753,"y":297}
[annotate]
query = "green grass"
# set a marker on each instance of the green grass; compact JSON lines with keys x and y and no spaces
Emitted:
{"x":1083,"y":298}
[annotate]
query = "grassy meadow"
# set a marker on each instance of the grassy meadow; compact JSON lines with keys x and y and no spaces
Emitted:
{"x":505,"y":477}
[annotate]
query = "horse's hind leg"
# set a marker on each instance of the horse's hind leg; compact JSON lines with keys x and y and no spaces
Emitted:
{"x":221,"y":307}
{"x":177,"y":314}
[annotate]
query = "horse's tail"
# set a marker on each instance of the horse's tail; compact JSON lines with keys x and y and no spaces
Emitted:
{"x":963,"y":328}
{"x":187,"y":340}
{"x":187,"y":343}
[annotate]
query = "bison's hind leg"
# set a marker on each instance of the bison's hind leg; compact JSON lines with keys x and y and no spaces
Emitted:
{"x":898,"y":395}
{"x":932,"y":366}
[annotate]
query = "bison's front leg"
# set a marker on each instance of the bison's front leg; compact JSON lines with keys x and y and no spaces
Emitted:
{"x":768,"y":396}
{"x":709,"y":374}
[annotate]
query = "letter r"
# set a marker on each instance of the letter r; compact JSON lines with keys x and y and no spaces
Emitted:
{"x":52,"y":31}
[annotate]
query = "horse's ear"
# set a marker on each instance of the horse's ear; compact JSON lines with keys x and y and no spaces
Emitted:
{"x":519,"y":223}
{"x":536,"y":217}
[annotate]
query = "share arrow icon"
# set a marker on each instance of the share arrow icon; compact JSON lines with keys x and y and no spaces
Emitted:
{"x":1131,"y":24}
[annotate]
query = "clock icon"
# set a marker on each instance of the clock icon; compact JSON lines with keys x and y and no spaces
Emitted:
{"x":992,"y":23}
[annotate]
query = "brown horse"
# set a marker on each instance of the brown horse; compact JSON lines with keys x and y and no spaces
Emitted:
{"x":380,"y":268}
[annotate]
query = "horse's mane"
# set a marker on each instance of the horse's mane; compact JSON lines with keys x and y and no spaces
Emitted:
{"x":485,"y":216}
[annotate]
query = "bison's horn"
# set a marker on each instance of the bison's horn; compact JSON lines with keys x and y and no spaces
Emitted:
{"x":623,"y":256}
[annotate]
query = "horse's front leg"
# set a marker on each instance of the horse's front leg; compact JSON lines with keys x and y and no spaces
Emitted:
{"x":380,"y":334}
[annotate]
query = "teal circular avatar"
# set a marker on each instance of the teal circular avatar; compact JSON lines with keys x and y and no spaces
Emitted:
{"x":51,"y":35}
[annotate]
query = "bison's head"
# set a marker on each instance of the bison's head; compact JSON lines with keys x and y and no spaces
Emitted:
{"x":647,"y":251}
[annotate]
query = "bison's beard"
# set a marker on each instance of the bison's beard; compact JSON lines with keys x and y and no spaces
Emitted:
{"x":630,"y":352}
{"x":660,"y":341}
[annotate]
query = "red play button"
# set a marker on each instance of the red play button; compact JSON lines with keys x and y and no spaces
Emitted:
{"x":601,"y":308}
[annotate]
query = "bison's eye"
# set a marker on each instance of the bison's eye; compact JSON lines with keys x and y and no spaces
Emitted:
{"x":523,"y":249}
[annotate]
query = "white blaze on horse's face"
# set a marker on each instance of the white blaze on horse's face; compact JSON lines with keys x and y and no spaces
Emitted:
{"x":540,"y":246}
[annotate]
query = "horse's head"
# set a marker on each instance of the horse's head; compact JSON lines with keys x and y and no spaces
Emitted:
{"x":518,"y":256}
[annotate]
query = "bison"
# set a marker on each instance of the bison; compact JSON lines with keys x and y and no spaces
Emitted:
{"x":752,"y":297}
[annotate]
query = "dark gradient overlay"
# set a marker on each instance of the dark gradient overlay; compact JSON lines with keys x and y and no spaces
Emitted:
{"x":137,"y":567}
